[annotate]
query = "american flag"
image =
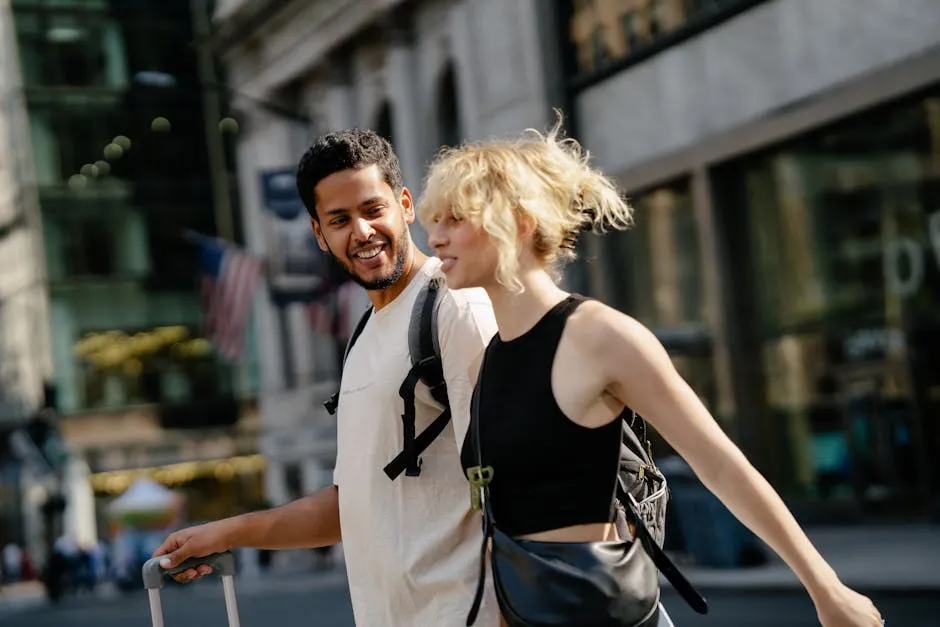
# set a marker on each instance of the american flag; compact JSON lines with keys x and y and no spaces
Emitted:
{"x":229,"y":279}
{"x":320,"y":313}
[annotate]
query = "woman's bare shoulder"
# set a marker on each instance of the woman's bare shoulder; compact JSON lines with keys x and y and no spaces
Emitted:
{"x":602,"y":330}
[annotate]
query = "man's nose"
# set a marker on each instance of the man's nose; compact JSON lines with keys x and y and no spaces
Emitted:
{"x":362,"y":229}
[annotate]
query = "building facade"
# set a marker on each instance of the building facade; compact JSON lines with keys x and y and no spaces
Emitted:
{"x":782,"y":159}
{"x":121,"y":153}
{"x":25,"y":360}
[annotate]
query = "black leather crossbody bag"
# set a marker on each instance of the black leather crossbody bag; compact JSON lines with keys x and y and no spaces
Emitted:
{"x":572,"y":584}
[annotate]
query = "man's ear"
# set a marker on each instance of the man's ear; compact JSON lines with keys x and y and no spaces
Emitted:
{"x":321,"y":241}
{"x":407,"y":204}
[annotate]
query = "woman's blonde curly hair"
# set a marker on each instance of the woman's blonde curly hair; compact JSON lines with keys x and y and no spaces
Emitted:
{"x":545,"y":177}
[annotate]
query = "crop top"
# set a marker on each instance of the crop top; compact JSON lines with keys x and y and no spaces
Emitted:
{"x":548,"y":471}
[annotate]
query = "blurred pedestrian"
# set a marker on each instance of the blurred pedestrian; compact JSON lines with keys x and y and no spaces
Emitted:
{"x":557,"y":377}
{"x":12,"y":557}
{"x":410,"y":544}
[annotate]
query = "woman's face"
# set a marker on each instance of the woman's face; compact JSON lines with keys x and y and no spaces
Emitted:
{"x":466,"y":250}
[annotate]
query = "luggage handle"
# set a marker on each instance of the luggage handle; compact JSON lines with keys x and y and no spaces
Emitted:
{"x":223,"y":563}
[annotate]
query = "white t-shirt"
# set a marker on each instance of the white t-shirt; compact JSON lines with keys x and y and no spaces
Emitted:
{"x":412,"y":545}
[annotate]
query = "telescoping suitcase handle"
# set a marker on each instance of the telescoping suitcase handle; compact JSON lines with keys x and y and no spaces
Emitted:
{"x":223,"y":563}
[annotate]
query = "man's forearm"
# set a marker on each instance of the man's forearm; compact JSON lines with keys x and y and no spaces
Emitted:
{"x":308,"y":522}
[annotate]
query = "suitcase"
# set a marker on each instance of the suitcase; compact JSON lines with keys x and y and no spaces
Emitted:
{"x":222,"y":563}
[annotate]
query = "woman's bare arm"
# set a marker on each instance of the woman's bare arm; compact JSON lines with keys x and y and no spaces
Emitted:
{"x":640,"y":374}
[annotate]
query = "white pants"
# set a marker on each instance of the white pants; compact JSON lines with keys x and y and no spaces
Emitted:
{"x":664,"y":620}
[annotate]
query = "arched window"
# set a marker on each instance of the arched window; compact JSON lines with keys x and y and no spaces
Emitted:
{"x":449,"y":131}
{"x":383,"y":122}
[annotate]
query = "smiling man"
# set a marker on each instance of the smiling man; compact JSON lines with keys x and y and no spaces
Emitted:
{"x":411,"y":544}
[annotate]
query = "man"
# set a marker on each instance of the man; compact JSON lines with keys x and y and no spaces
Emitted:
{"x":412,"y":544}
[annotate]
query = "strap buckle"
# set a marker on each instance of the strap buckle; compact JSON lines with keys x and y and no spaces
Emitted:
{"x":479,"y":479}
{"x":332,"y":403}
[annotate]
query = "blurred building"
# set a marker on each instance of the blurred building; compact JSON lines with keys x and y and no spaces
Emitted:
{"x":105,"y":301}
{"x":26,"y":479}
{"x":782,"y":156}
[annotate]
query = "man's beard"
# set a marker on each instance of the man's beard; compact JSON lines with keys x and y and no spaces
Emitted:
{"x":398,"y":265}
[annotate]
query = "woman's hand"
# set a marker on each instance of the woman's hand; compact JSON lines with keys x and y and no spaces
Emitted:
{"x":843,"y":607}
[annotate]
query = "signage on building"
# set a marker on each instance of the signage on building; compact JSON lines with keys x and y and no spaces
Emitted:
{"x":905,"y":259}
{"x":298,"y":267}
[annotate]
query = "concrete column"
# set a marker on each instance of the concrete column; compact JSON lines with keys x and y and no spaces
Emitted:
{"x":341,"y":108}
{"x":275,"y":486}
{"x":407,"y":128}
{"x":461,"y":27}
{"x":315,"y":475}
{"x":266,"y":143}
{"x":255,"y":229}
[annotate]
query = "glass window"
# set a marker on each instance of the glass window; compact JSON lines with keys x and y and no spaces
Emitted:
{"x":600,"y":31}
{"x":842,"y":264}
{"x":70,"y":48}
{"x":653,"y":270}
{"x":448,"y":112}
{"x":66,"y":138}
{"x":653,"y":273}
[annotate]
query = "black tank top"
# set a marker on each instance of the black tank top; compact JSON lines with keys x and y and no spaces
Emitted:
{"x":548,"y":472}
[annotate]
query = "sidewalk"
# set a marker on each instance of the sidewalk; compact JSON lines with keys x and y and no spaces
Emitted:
{"x":21,"y":596}
{"x":869,"y":558}
{"x":290,"y":570}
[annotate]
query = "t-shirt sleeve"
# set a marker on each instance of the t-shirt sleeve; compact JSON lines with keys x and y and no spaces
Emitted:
{"x":465,"y":325}
{"x":338,"y":465}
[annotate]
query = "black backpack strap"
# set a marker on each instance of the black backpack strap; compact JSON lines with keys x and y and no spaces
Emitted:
{"x":669,"y":570}
{"x":423,"y":344}
{"x":333,"y":402}
{"x":426,"y":366}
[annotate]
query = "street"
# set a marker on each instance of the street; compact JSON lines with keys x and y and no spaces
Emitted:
{"x":316,"y":602}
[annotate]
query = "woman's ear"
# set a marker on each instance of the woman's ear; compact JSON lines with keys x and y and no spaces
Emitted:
{"x":527,"y":224}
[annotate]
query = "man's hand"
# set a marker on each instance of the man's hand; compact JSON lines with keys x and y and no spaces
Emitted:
{"x":199,"y":541}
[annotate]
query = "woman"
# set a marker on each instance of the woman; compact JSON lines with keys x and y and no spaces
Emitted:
{"x":501,"y":215}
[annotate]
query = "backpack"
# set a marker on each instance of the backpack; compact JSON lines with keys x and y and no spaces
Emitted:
{"x":643,"y":485}
{"x":641,"y":480}
{"x":426,"y":366}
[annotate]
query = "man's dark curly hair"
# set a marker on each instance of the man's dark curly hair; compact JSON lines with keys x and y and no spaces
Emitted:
{"x":342,"y":150}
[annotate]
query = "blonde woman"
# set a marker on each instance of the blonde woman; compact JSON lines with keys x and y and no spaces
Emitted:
{"x":502,"y":215}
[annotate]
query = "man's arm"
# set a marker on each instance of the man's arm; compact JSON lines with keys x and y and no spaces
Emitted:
{"x":308,"y":522}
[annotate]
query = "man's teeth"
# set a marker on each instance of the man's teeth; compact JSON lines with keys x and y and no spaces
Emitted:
{"x":369,"y":253}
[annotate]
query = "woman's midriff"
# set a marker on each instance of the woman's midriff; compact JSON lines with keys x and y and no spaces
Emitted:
{"x":592,"y":532}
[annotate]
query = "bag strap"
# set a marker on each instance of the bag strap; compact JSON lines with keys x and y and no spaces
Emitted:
{"x":333,"y":402}
{"x":424,"y":348}
{"x":480,"y":478}
{"x":665,"y":565}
